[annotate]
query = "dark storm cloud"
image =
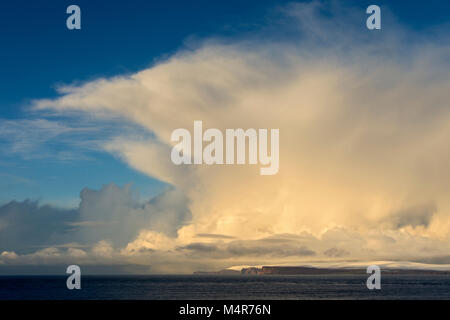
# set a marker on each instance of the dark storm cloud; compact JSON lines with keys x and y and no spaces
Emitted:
{"x":214,"y":236}
{"x":263,"y":247}
{"x":434,"y":260}
{"x":413,"y":216}
{"x":25,"y":225}
{"x":336,"y":253}
{"x":200,"y":247}
{"x":242,"y":248}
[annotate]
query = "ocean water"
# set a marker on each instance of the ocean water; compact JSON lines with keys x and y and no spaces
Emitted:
{"x":225,"y":287}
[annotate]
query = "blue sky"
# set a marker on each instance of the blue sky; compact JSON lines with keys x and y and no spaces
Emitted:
{"x":118,"y":37}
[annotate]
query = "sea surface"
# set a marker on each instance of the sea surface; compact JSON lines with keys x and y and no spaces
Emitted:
{"x":213,"y":287}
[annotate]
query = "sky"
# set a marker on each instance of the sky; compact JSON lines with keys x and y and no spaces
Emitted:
{"x":86,"y":117}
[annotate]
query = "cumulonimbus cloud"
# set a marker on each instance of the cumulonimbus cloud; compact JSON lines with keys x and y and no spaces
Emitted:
{"x":364,"y":125}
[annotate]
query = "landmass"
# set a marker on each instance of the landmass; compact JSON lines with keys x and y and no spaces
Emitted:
{"x":295,"y":270}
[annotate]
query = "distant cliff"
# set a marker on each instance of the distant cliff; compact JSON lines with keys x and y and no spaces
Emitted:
{"x":220,"y":272}
{"x":306,"y":270}
{"x":251,"y":270}
{"x":294,"y":270}
{"x":276,"y":270}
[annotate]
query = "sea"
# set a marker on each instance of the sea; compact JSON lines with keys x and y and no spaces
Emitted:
{"x":223,"y":287}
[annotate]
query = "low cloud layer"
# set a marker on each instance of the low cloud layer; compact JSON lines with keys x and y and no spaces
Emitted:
{"x":112,"y":214}
{"x":364,"y":123}
{"x":414,"y":216}
{"x":25,"y":225}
